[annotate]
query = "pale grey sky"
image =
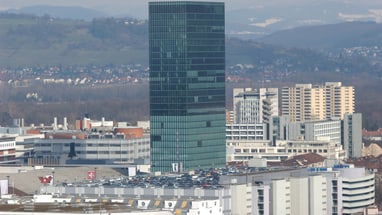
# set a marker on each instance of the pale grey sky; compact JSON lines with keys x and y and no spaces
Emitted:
{"x":109,"y":6}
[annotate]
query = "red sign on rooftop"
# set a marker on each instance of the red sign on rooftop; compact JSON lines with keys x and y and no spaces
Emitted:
{"x":91,"y":175}
{"x":45,"y":179}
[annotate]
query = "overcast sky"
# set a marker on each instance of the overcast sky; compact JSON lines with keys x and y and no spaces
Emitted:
{"x":138,"y":8}
{"x":109,"y":6}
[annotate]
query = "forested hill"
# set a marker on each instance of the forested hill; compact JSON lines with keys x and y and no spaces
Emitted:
{"x":29,"y":40}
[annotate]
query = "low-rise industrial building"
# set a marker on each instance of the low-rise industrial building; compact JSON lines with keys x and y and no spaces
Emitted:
{"x":7,"y":149}
{"x":244,"y":150}
{"x":60,"y":147}
{"x":340,"y":189}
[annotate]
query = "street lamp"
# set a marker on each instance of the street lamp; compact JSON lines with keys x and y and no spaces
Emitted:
{"x":8,"y":184}
{"x":95,"y":173}
{"x":53,"y":179}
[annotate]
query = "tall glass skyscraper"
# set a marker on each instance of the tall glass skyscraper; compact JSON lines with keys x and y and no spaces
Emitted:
{"x":187,"y":85}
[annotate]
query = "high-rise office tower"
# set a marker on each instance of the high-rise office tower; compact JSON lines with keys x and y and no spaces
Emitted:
{"x":187,"y":85}
{"x":305,"y":102}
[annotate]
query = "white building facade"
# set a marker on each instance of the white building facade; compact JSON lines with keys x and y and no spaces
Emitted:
{"x":244,"y":150}
{"x":246,"y":132}
{"x":7,"y":149}
{"x":339,"y":190}
{"x":314,"y":130}
{"x":96,"y":147}
{"x":252,"y":106}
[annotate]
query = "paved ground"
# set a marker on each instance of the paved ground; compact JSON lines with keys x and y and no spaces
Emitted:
{"x":28,"y":182}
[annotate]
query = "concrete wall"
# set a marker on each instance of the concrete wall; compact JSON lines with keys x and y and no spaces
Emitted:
{"x":299,"y":196}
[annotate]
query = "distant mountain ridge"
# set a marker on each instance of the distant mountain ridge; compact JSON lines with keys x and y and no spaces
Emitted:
{"x":265,"y":17}
{"x":61,"y":12}
{"x":30,"y":41}
{"x":328,"y":37}
{"x":256,"y":19}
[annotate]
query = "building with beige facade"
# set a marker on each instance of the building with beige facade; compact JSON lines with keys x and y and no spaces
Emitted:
{"x":305,"y":102}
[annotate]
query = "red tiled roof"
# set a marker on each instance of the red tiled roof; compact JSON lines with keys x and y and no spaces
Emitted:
{"x":369,"y":162}
{"x":300,"y":160}
{"x":372,"y":133}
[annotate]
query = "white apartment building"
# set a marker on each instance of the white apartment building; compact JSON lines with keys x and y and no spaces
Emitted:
{"x":305,"y":102}
{"x":339,"y":100}
{"x":252,"y":106}
{"x":241,"y":198}
{"x":299,"y":195}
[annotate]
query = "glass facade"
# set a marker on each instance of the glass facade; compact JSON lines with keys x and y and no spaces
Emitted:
{"x":187,"y":85}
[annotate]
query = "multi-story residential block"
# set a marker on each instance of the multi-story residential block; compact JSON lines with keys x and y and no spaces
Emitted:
{"x":339,"y":100}
{"x":187,"y":85}
{"x":305,"y":102}
{"x":252,"y":106}
{"x":299,"y":195}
